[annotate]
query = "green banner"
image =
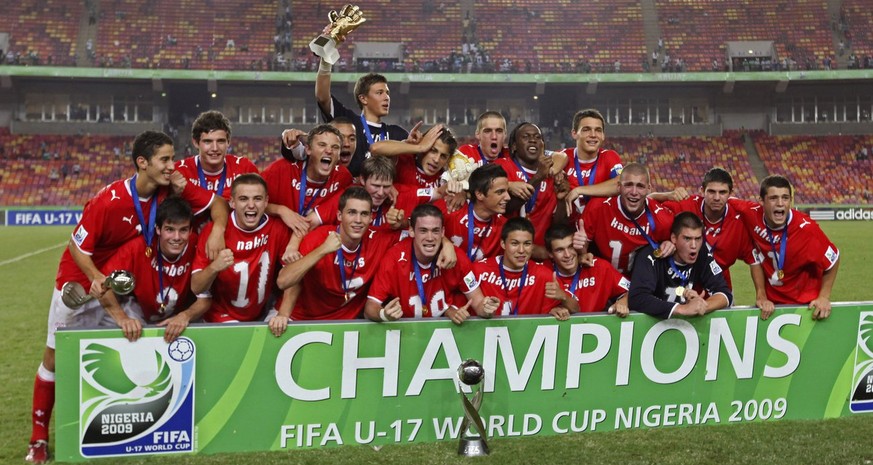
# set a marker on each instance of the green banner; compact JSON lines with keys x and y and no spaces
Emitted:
{"x":238,"y":388}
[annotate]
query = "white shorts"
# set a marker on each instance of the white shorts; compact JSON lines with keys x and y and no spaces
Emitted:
{"x":89,"y":315}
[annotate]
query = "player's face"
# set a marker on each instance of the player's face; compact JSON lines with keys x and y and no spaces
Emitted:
{"x":529,"y":144}
{"x":715,"y":197}
{"x":589,"y":136}
{"x":378,"y":99}
{"x":173,"y":237}
{"x":688,"y":243}
{"x":492,"y":136}
{"x":160,"y":166}
{"x":378,"y":188}
{"x":427,"y":234}
{"x":497,"y":197}
{"x":323,"y":152}
{"x":564,"y":256}
{"x":249,"y":202}
{"x":517,"y":249}
{"x":354,"y":219}
{"x":434,"y":161}
{"x":212,"y":147}
{"x":350,"y":142}
{"x":633,"y":189}
{"x":777,"y":204}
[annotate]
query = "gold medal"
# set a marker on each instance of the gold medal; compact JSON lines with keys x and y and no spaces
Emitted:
{"x":148,"y":252}
{"x":163,"y":309}
{"x":348,"y":298}
{"x":780,"y":274}
{"x":657,"y":253}
{"x":680,"y":291}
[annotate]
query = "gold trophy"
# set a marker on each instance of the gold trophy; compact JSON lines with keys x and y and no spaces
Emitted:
{"x":341,"y":24}
{"x":119,"y":281}
{"x":459,"y":169}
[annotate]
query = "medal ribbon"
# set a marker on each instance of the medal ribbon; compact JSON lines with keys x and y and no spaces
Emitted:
{"x":651,"y":222}
{"x":591,"y":175}
{"x":575,"y":283}
{"x":503,"y":283}
{"x":528,"y":207}
{"x":683,"y":277}
{"x":783,"y":245}
{"x":368,"y":134}
{"x":301,"y":209}
{"x":471,"y":225}
{"x":164,"y":295}
{"x":377,"y":217}
{"x":425,"y":308}
{"x":342,"y":265}
{"x":219,"y":189}
{"x":148,"y":229}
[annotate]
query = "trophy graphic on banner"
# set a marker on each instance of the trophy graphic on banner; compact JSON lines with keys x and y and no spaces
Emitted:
{"x":120,"y":282}
{"x":341,"y":24}
{"x":472,"y":445}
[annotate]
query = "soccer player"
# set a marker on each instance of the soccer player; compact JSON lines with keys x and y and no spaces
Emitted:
{"x":688,"y":283}
{"x":241,"y":279}
{"x":794,"y":261}
{"x":294,"y":141}
{"x":527,"y":165}
{"x":523,"y":287}
{"x":618,"y":226}
{"x":596,"y":285}
{"x":474,"y":227}
{"x":420,"y":166}
{"x":295,"y":188}
{"x":409,"y":283}
{"x":725,"y":234}
{"x":121,"y":211}
{"x":373,"y":99}
{"x":592,"y":169}
{"x":162,"y":293}
{"x":212,"y":168}
{"x":490,"y":135}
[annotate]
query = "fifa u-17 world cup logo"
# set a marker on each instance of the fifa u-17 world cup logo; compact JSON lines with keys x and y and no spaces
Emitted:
{"x":472,"y":444}
{"x":862,"y":376}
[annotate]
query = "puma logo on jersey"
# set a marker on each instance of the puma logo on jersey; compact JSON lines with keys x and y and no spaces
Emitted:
{"x":128,"y":219}
{"x":658,"y":208}
{"x":651,"y":259}
{"x":114,"y":195}
{"x":805,"y":222}
{"x":402,"y":257}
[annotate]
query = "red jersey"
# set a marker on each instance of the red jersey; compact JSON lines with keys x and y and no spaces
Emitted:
{"x":284,"y":181}
{"x":173,"y":289}
{"x":407,"y":200}
{"x":541,"y":206}
{"x":233,"y":167}
{"x":486,"y":234}
{"x":474,"y":153}
{"x":605,"y":166}
{"x":516,"y":298}
{"x":595,"y":286}
{"x":241,"y":291}
{"x":727,"y":238}
{"x":109,"y":220}
{"x":807,"y":255}
{"x":397,"y":278}
{"x":616,"y":236}
{"x":410,"y":176}
{"x":323,"y":296}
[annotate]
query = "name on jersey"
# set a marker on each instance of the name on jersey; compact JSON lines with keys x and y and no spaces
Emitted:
{"x":172,"y":270}
{"x":425,"y":277}
{"x":510,"y":284}
{"x":629,"y":230}
{"x":583,"y":282}
{"x":321,"y":191}
{"x":351,"y":263}
{"x":762,"y":232}
{"x":713,"y":231}
{"x":212,"y":185}
{"x":251,"y":244}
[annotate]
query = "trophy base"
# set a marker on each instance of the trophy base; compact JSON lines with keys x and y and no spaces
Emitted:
{"x":325,"y":47}
{"x":473,"y":447}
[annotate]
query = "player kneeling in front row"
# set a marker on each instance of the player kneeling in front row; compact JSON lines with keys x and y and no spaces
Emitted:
{"x":162,"y":280}
{"x":409,"y":283}
{"x":688,"y":283}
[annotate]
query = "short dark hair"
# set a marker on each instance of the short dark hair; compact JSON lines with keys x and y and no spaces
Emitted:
{"x":685,"y":220}
{"x":481,"y":178}
{"x":516,"y":224}
{"x":173,"y":209}
{"x":247,"y":179}
{"x":362,"y":87}
{"x":424,"y":210}
{"x":322,"y":129}
{"x":587,"y":113}
{"x":147,"y":144}
{"x":775,"y":180}
{"x":556,"y":232}
{"x":514,"y":134}
{"x":378,"y":166}
{"x":209,"y":121}
{"x":448,"y":137}
{"x":718,"y":175}
{"x":356,"y":193}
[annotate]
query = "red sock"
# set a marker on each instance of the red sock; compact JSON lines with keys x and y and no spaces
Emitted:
{"x":43,"y":402}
